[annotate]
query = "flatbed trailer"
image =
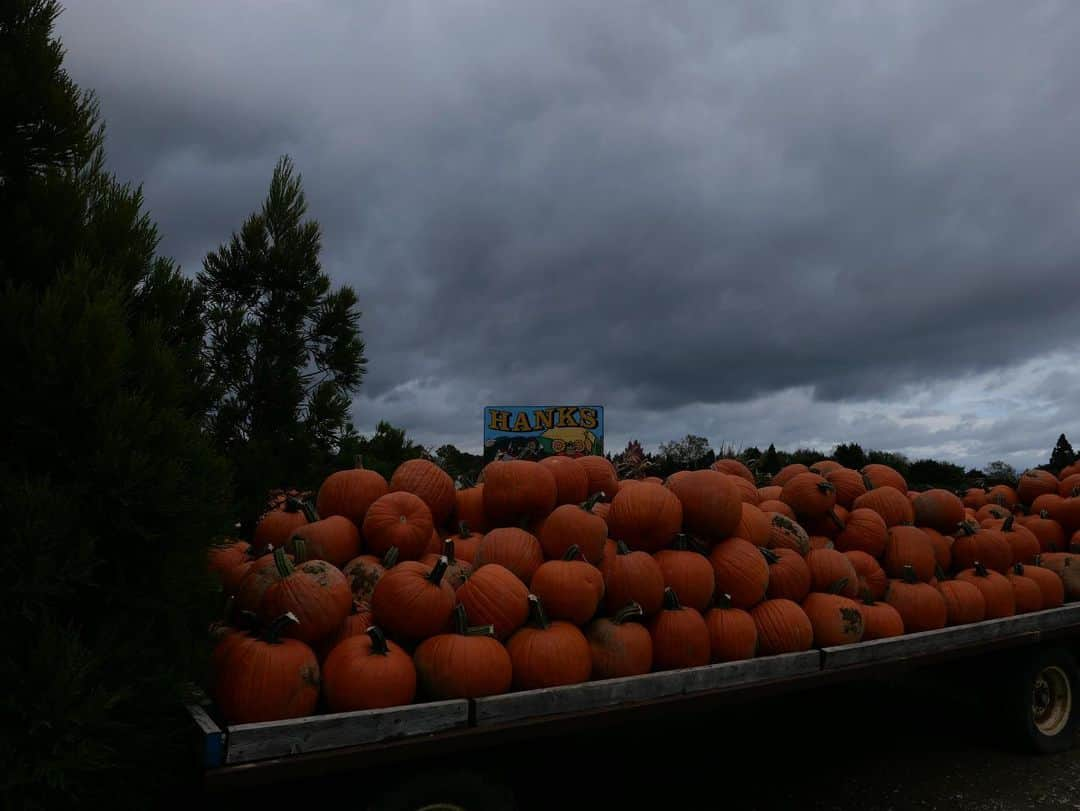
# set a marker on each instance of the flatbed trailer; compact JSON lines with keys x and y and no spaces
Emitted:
{"x":1031,"y":658}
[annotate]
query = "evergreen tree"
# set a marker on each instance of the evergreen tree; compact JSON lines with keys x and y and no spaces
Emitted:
{"x":110,"y":491}
{"x":387,"y":448}
{"x":1063,"y":454}
{"x":769,"y":462}
{"x":850,"y":455}
{"x":284,"y":349}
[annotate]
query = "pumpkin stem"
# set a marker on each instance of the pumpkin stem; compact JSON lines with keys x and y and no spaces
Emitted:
{"x":300,"y":548}
{"x":939,"y":573}
{"x":463,"y":530}
{"x":1008,"y":525}
{"x":909,"y":574}
{"x":448,"y":551}
{"x":966,"y":528}
{"x":724,"y":600}
{"x":390,"y":559}
{"x":622,"y":548}
{"x":1038,"y":559}
{"x":309,"y":511}
{"x":378,"y":640}
{"x":247,"y":620}
{"x":282,"y":563}
{"x":272,"y":633}
{"x":671,"y":600}
{"x":869,"y":485}
{"x":837,"y":520}
{"x":537,"y":615}
{"x":359,"y":465}
{"x":1044,"y":514}
{"x":838,"y":586}
{"x":480,"y":630}
{"x":770,"y":556}
{"x":461,"y":621}
{"x":825,"y":487}
{"x":629,"y":611}
{"x":437,"y":572}
{"x":681,"y":542}
{"x":866,"y":596}
{"x":1018,"y":569}
{"x":292,"y":504}
{"x":588,"y":504}
{"x":572,"y":553}
{"x":980,"y":570}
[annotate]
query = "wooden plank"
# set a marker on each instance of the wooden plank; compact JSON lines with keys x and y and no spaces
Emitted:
{"x":767,"y":668}
{"x":250,"y":742}
{"x":213,"y":736}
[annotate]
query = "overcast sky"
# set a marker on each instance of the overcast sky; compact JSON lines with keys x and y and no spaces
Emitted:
{"x":800,"y":223}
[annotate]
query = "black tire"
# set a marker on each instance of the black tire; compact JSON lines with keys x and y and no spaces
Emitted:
{"x":1042,"y":698}
{"x":455,"y":790}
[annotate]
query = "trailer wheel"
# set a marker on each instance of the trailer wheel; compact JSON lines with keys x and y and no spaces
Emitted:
{"x":446,"y":791}
{"x":1045,"y":701}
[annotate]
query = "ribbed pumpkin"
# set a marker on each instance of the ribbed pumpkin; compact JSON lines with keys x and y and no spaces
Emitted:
{"x":1022,"y":541}
{"x":754,"y":526}
{"x":789,"y":576}
{"x":434,"y":546}
{"x":469,"y":510}
{"x":231,"y":561}
{"x":1067,"y":567}
{"x":823,"y":466}
{"x":631,"y":577}
{"x":888,"y":502}
{"x":570,"y":588}
{"x":602,"y":476}
{"x":367,"y":673}
{"x":413,"y":601}
{"x":872,"y":578}
{"x":1002,"y":495}
{"x":355,"y":624}
{"x":830,"y":526}
{"x":711,"y":504}
{"x":880,"y":620}
{"x":734,"y":467}
{"x":938,"y":509}
{"x":349,"y":493}
{"x":864,"y":531}
{"x":261,"y":574}
{"x":849,"y":485}
{"x":466,"y":542}
{"x":620,"y":647}
{"x":995,"y":588}
{"x":430,"y":483}
{"x":398,"y":519}
{"x":571,"y":480}
{"x":909,"y":546}
{"x":646,"y":517}
{"x":1068,"y":485}
{"x":836,"y":620}
{"x":732,"y":633}
{"x":573,"y":525}
{"x":821,"y":542}
{"x":747,"y":491}
{"x":688,"y":572}
{"x":964,"y":603}
{"x":1027,"y":594}
{"x":809,"y":495}
{"x":884,"y":476}
{"x":514,"y":548}
{"x":1047,"y":531}
{"x":276,"y":526}
{"x":787,"y":473}
{"x":680,"y":636}
{"x":469,"y":663}
{"x":365,"y":571}
{"x":314,"y":591}
{"x":546,"y":653}
{"x":770,"y":493}
{"x":1034,"y":483}
{"x":787,"y":534}
{"x":495,"y":596}
{"x":335,"y":540}
{"x":992,"y":512}
{"x":457,"y":570}
{"x":1069,"y":470}
{"x":265,"y":677}
{"x":919,"y":604}
{"x":942,"y":547}
{"x":782,"y":627}
{"x":974,"y":498}
{"x":977,"y":543}
{"x":831,"y":570}
{"x":773,"y":505}
{"x":740,"y":572}
{"x":1053,"y":590}
{"x":517,"y":492}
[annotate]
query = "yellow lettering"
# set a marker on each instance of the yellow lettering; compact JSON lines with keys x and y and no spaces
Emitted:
{"x":522,"y":422}
{"x":544,"y":419}
{"x":588,"y":418}
{"x":500,"y":421}
{"x":566,"y":417}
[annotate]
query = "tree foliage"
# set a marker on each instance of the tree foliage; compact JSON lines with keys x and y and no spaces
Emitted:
{"x":1063,"y":454}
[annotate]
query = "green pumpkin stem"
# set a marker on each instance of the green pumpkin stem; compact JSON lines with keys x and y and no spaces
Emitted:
{"x":980,"y":570}
{"x":770,"y":556}
{"x":671,"y":600}
{"x":463,"y":530}
{"x":629,"y":611}
{"x":588,"y":504}
{"x":836,"y":519}
{"x":390,"y":559}
{"x":309,"y":511}
{"x":282,"y":563}
{"x":292,"y":504}
{"x":537,"y":615}
{"x":966,"y":528}
{"x":272,"y":632}
{"x":681,"y":542}
{"x":378,"y":640}
{"x":247,"y":620}
{"x":869,"y":485}
{"x":300,"y":549}
{"x":939,"y":573}
{"x":1008,"y":525}
{"x":621,"y":548}
{"x":1044,"y":514}
{"x":909,"y":574}
{"x":724,"y":600}
{"x":448,"y":551}
{"x":866,"y":596}
{"x":825,"y":487}
{"x":437,"y":572}
{"x":572,"y":553}
{"x":838,"y":586}
{"x":480,"y":630}
{"x":1018,"y":569}
{"x":461,"y":621}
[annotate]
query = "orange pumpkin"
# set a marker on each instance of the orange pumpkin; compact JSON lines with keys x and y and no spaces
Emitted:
{"x":573,"y":525}
{"x":734,"y":467}
{"x":782,"y":627}
{"x":350,"y":493}
{"x":711,"y":504}
{"x":732,"y":632}
{"x":517,"y":492}
{"x":880,"y":621}
{"x":787,"y":534}
{"x":872,"y":578}
{"x":412,"y":601}
{"x":849,"y":485}
{"x":365,"y":571}
{"x":809,"y":495}
{"x":335,"y":540}
{"x":688,"y":572}
{"x":836,"y":620}
{"x":1034,"y":483}
{"x":469,"y":663}
{"x":314,"y":591}
{"x":457,"y":570}
{"x":368,"y":672}
{"x":909,"y":546}
{"x":469,"y":510}
{"x":1053,"y":590}
{"x":995,"y":588}
{"x":680,"y":636}
{"x":631,"y":577}
{"x":516,"y":549}
{"x":1027,"y":595}
{"x":276,"y":526}
{"x":888,"y":502}
{"x":602,"y":476}
{"x":831,"y":571}
{"x":754,"y":526}
{"x":398,"y":519}
{"x":974,"y":498}
{"x":772,"y":505}
{"x":964,"y":603}
{"x":979,"y":544}
{"x":647,"y":517}
{"x":1003,"y":496}
{"x":789,"y":575}
{"x":740,"y":572}
{"x":620,"y":647}
{"x":570,"y":588}
{"x":495,"y":596}
{"x":430,"y":483}
{"x":864,"y":531}
{"x":938,"y":509}
{"x":787,"y":473}
{"x":571,"y":480}
{"x":884,"y":476}
{"x":920,"y":605}
{"x":548,"y":654}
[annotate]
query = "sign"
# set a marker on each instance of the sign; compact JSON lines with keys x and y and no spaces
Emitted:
{"x":533,"y":432}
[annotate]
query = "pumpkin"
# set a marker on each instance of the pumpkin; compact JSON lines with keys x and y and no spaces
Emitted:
{"x":688,"y":572}
{"x":829,"y":526}
{"x":919,"y":604}
{"x":938,"y":509}
{"x":809,"y":495}
{"x":364,"y":572}
{"x":782,"y":627}
{"x":787,"y":473}
{"x":646,"y":517}
{"x":231,"y":561}
{"x":457,"y":570}
{"x":517,"y":492}
{"x":276,"y":526}
{"x":1053,"y":590}
{"x":573,"y":525}
{"x":740,"y":571}
{"x":1022,"y":541}
{"x":732,"y":633}
{"x":516,"y":549}
{"x":883,"y":476}
{"x":849,"y":485}
{"x":754,"y":526}
{"x":1034,"y":483}
{"x":1067,"y":567}
{"x":1068,"y":514}
{"x":548,"y":654}
{"x":632,"y":577}
{"x":1069,"y":470}
{"x":888,"y":502}
{"x":398,"y":519}
{"x":495,"y":596}
{"x":820,"y":542}
{"x":368,"y":672}
{"x":786,"y":534}
{"x":349,"y":493}
{"x":469,"y":510}
{"x":987,"y":545}
{"x":747,"y":491}
{"x":974,"y":498}
{"x":865,"y":531}
{"x":872,"y":578}
{"x":413,"y":601}
{"x":880,"y":620}
{"x":266,"y":677}
{"x":1047,"y":531}
{"x":469,"y":663}
{"x":711,"y":504}
{"x":734,"y":467}
{"x":770,"y":493}
{"x":836,"y":620}
{"x":964,"y":603}
{"x":995,"y":588}
{"x":789,"y":575}
{"x":619,"y":647}
{"x":434,"y":546}
{"x":601,"y":509}
{"x":680,"y":636}
{"x":571,"y":480}
{"x":314,"y":591}
{"x":335,"y":540}
{"x":942,"y":545}
{"x":772,"y":505}
{"x":602,"y":476}
{"x":1068,"y":485}
{"x":1003,"y":496}
{"x":823,"y":466}
{"x":909,"y":546}
{"x":571,"y":589}
{"x":430,"y":483}
{"x":355,"y":624}
{"x":992,"y":512}
{"x":831,"y":570}
{"x":1027,"y":594}
{"x":261,"y":574}
{"x":466,"y":542}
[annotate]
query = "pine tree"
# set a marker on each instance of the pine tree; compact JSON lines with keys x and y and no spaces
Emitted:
{"x":1063,"y":454}
{"x":110,"y":491}
{"x":284,"y":350}
{"x":850,"y":455}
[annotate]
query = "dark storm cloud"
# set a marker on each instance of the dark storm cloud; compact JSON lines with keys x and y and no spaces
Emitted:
{"x":660,"y":207}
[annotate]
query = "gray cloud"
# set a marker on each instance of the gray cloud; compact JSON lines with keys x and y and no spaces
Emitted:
{"x":684,"y":212}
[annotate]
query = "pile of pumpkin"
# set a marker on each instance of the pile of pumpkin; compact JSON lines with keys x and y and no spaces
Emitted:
{"x":556,"y":572}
